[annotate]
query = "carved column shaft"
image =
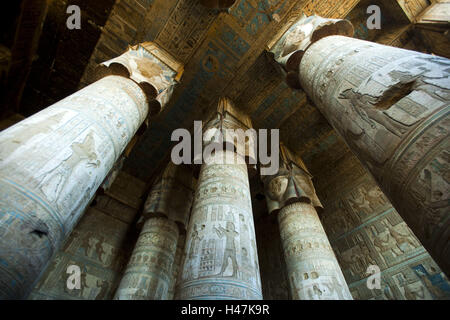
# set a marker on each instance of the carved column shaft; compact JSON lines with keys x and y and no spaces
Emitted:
{"x":313,"y":270}
{"x":51,"y":166}
{"x":177,"y":266}
{"x":221,"y":256}
{"x":53,"y":162}
{"x":148,"y":275}
{"x":221,"y":259}
{"x":152,"y":270}
{"x":392,"y":108}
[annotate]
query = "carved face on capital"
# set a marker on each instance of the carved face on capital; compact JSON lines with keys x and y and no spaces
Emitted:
{"x":277,"y":187}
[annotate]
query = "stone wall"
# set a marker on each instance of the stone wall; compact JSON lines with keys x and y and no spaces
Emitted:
{"x":364,"y":229}
{"x":100,"y":245}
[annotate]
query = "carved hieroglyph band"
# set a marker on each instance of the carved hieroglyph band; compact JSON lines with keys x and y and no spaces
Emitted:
{"x":148,"y":275}
{"x":313,"y":270}
{"x":51,"y":166}
{"x":392,"y":108}
{"x":221,"y":257}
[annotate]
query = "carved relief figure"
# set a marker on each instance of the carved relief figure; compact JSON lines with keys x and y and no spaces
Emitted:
{"x":230,"y":249}
{"x":363,"y":106}
{"x":99,"y":248}
{"x":196,"y":238}
{"x":400,"y":238}
{"x":359,"y":201}
{"x":54,"y":180}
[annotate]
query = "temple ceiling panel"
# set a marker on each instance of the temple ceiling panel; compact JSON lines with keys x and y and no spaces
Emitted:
{"x":224,"y":52}
{"x":230,"y":61}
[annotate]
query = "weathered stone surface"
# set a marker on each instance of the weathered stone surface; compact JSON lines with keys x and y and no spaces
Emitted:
{"x":292,"y":183}
{"x":154,"y":70}
{"x":165,"y":215}
{"x":313,"y":270}
{"x":113,"y":173}
{"x":291,"y":47}
{"x":51,"y":166}
{"x":172,"y":195}
{"x":177,"y":264}
{"x":432,"y":28}
{"x":364,"y":229}
{"x":149,"y":271}
{"x":100,"y":246}
{"x":221,"y":256}
{"x":391,"y":106}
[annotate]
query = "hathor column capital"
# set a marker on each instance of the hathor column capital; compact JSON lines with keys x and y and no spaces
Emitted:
{"x":221,"y":258}
{"x":313,"y":270}
{"x":152,"y":68}
{"x":231,"y":129}
{"x":172,"y":195}
{"x":290,"y":48}
{"x":292,"y":183}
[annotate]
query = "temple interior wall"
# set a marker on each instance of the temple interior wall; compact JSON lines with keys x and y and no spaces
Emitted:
{"x":364,"y":229}
{"x":100,"y":245}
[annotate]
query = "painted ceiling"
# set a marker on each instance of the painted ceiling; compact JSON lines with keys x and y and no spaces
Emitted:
{"x":224,"y":55}
{"x":223,"y":52}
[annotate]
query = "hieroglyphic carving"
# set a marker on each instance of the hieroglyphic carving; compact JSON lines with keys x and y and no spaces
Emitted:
{"x":330,"y":9}
{"x":184,"y":29}
{"x":313,"y":271}
{"x":165,"y":215}
{"x":312,"y":268}
{"x":98,"y":246}
{"x":53,"y":162}
{"x":177,"y":264}
{"x":391,"y":107}
{"x":172,"y":195}
{"x":413,"y":8}
{"x":416,"y":279}
{"x":221,"y":257}
{"x":60,"y":167}
{"x":373,"y":235}
{"x":149,"y":272}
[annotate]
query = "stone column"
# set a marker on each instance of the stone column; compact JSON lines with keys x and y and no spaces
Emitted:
{"x":391,"y":106}
{"x":179,"y":255}
{"x":53,"y":162}
{"x":313,"y":270}
{"x":221,"y":259}
{"x":150,"y":272}
{"x":289,"y":49}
